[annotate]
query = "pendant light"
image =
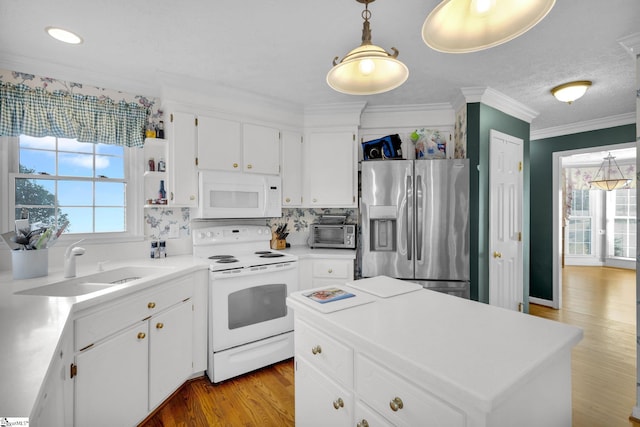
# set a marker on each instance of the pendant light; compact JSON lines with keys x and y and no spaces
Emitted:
{"x":569,"y":92}
{"x":461,"y":26}
{"x":367,"y":69}
{"x":607,"y":182}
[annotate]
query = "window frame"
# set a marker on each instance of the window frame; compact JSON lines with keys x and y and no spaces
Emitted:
{"x":9,"y":170}
{"x":611,"y":218}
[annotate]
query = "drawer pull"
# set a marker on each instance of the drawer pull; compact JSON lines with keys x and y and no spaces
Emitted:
{"x":235,"y":165}
{"x":339,"y":403}
{"x":159,"y":325}
{"x":151,"y":305}
{"x":330,"y":270}
{"x":396,"y":404}
{"x":141,"y":335}
{"x":316,"y":350}
{"x":363,"y":423}
{"x":249,"y":166}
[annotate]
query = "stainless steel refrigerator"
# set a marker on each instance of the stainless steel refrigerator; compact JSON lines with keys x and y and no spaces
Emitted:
{"x":415,"y":222}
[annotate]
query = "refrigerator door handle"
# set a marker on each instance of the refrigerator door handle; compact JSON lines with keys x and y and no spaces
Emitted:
{"x":409,"y":216}
{"x":419,"y":217}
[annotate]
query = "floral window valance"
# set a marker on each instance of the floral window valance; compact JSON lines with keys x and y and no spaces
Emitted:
{"x":87,"y":118}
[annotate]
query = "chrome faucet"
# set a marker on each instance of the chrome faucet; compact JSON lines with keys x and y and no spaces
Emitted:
{"x":70,"y":258}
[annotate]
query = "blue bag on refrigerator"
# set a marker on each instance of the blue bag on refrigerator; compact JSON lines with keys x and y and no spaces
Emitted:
{"x":387,"y":147}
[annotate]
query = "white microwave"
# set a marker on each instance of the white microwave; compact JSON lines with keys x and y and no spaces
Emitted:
{"x":239,"y":195}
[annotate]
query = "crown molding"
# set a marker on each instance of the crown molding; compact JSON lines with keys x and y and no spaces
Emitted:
{"x":596,"y":124}
{"x":499,"y":101}
{"x":631,"y":44}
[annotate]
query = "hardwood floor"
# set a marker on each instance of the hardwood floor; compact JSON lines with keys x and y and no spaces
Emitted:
{"x":602,"y":301}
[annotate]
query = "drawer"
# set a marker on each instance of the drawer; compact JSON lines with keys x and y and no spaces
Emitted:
{"x":335,"y":268}
{"x":124,"y":311}
{"x":324,"y":353}
{"x":367,"y":417}
{"x":381,"y":389}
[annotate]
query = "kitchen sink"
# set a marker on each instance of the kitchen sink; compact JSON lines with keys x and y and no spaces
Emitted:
{"x":93,"y":282}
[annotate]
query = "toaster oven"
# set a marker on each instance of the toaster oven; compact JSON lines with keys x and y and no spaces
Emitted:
{"x":328,"y":232}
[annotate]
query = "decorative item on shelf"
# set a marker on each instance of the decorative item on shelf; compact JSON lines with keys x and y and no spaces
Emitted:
{"x":150,"y":131}
{"x":162,"y":194}
{"x":160,"y":130}
{"x":387,"y":147}
{"x":152,"y":165}
{"x":462,"y":26}
{"x":367,"y":69}
{"x":161,"y":165}
{"x":430,"y":144}
{"x":609,"y":181}
{"x":569,"y":92}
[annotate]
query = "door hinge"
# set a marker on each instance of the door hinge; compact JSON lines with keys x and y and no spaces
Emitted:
{"x":519,"y":236}
{"x":520,"y":166}
{"x":354,"y":199}
{"x":196,"y":161}
{"x":279,"y":135}
{"x":73,"y":371}
{"x":301,"y":139}
{"x":196,"y":120}
{"x":354,"y":136}
{"x":520,"y":307}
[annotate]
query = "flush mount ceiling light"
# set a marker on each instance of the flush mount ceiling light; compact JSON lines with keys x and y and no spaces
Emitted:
{"x":367,"y":69}
{"x":569,"y":92}
{"x":63,"y":35}
{"x":612,"y":178}
{"x":461,"y":26}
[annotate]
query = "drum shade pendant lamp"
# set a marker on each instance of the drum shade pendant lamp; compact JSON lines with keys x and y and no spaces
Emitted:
{"x":569,"y":92}
{"x":461,"y":26}
{"x":367,"y":69}
{"x":609,"y":181}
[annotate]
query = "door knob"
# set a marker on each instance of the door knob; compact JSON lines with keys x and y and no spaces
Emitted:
{"x":497,"y":255}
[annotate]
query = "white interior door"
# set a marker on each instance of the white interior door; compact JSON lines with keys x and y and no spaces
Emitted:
{"x":505,"y":221}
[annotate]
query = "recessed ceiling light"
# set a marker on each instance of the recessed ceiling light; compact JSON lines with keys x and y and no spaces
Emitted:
{"x":65,"y":36}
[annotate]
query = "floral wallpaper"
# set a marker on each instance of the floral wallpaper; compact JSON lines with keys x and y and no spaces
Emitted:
{"x":158,"y":223}
{"x":460,"y":134}
{"x":52,"y":85}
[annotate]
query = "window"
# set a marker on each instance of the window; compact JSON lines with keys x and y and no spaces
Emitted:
{"x":578,"y":232}
{"x":62,"y":180}
{"x":623,"y":243}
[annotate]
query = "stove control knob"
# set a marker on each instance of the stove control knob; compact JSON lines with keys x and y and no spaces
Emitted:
{"x":209,"y":234}
{"x":200,"y":235}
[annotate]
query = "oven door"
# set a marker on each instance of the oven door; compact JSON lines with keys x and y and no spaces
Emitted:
{"x":250,"y":304}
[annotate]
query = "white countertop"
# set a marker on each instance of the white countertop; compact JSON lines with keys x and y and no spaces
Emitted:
{"x":469,"y":351}
{"x":31,"y":326}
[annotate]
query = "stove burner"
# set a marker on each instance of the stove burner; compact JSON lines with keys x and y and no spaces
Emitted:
{"x":226,"y":260}
{"x":271,"y":255}
{"x":220,"y":256}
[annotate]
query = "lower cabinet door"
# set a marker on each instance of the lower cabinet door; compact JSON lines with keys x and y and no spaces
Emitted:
{"x":367,"y":417}
{"x":112,"y":379}
{"x":170,"y":351}
{"x":319,"y":400}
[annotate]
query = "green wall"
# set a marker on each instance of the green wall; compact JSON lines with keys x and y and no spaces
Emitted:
{"x":480,"y":120}
{"x":541,"y":156}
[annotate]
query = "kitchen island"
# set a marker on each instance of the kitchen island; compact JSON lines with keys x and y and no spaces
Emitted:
{"x":394,"y":354}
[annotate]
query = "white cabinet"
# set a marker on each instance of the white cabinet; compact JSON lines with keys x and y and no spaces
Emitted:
{"x":181,"y":160}
{"x":292,"y":178}
{"x":331,"y":169}
{"x":219,"y":144}
{"x":229,"y":145}
{"x":134,"y":352}
{"x":260,"y":149}
{"x":315,"y":272}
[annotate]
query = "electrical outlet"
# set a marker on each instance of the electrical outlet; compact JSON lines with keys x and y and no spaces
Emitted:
{"x":174,"y":231}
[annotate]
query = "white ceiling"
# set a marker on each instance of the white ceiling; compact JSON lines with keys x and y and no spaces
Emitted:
{"x":283,"y":49}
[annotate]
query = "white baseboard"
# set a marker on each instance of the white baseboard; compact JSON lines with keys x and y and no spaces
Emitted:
{"x":540,"y":301}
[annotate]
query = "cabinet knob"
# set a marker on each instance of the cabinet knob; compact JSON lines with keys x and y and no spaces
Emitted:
{"x":171,"y":193}
{"x":338,"y":403}
{"x":287,"y":200}
{"x":330,"y":270}
{"x":362,"y":423}
{"x":192,"y":197}
{"x":497,"y":255}
{"x":159,"y":325}
{"x":316,"y":350}
{"x":235,"y":165}
{"x":249,"y":166}
{"x":315,"y":200}
{"x":151,"y":305}
{"x":396,"y":404}
{"x":141,"y":335}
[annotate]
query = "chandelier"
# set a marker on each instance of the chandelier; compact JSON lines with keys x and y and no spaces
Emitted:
{"x":609,"y":181}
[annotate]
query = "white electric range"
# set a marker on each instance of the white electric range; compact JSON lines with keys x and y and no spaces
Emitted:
{"x":249,"y":323}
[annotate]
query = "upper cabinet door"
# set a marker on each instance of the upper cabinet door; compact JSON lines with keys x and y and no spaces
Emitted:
{"x":291,"y":169}
{"x":219,"y":144}
{"x":261,"y":149}
{"x":181,"y":161}
{"x":331,"y":169}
